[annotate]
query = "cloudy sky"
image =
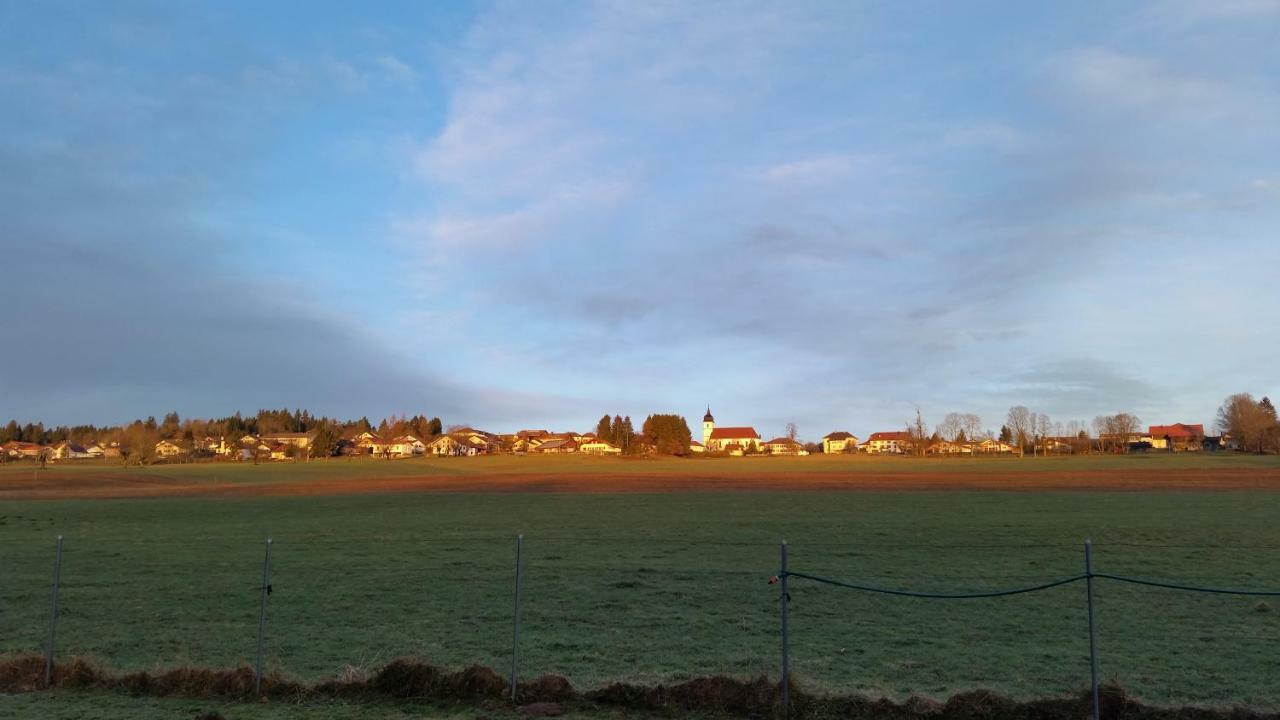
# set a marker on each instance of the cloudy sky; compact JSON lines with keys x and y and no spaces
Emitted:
{"x":527,"y":214}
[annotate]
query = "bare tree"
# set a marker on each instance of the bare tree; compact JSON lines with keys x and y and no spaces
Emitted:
{"x":919,"y":433}
{"x":1021,"y":425}
{"x":951,"y":426}
{"x":1043,"y":426}
{"x":971,"y":426}
{"x":1245,"y":420}
{"x":793,"y":432}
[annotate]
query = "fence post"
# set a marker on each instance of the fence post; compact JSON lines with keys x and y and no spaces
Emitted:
{"x":1093,"y":629}
{"x":53,"y":615}
{"x":515,"y":629}
{"x":262,"y":618}
{"x":786,"y":638}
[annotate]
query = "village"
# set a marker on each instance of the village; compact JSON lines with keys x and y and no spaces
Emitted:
{"x":730,"y":441}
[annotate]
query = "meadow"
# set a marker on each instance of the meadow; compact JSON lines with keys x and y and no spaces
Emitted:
{"x":664,"y":586}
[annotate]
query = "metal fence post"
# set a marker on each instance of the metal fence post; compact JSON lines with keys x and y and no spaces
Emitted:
{"x":1093,"y":630}
{"x":262,"y":617}
{"x":515,"y":627}
{"x":53,"y":615}
{"x":786,"y":638}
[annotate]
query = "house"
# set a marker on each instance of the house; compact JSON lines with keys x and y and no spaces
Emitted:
{"x":839,"y":442}
{"x":728,"y":439}
{"x":889,"y":443}
{"x":278,"y":451}
{"x":168,"y":448}
{"x":406,"y":446}
{"x":1178,"y":437}
{"x":299,"y":440}
{"x":697,"y":447}
{"x":464,"y":445}
{"x":592,"y":446}
{"x":784,"y":446}
{"x":948,"y":447}
{"x":994,"y":447}
{"x":558,"y":445}
{"x":95,"y":451}
{"x":1055,"y":445}
{"x":68,"y":451}
{"x":17,"y":449}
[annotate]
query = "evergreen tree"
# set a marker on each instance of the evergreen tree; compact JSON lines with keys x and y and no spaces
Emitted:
{"x":604,"y":429}
{"x":1006,"y":435}
{"x":435,"y":427}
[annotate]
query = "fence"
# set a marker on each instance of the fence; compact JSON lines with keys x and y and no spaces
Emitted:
{"x":560,"y":597}
{"x":1088,"y":576}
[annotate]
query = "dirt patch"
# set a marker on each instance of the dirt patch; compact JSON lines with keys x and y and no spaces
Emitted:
{"x":54,"y":485}
{"x":410,"y":680}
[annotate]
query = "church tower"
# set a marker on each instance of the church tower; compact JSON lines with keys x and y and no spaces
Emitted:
{"x":708,"y":424}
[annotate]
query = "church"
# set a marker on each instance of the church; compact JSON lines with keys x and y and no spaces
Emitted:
{"x":727,"y":438}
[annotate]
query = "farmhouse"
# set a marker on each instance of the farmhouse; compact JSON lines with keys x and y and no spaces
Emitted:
{"x":728,"y":439}
{"x":697,"y":447}
{"x":784,"y":446}
{"x":1178,"y":437}
{"x":839,"y":442}
{"x":168,"y":448}
{"x":558,"y":445}
{"x":302,"y":441}
{"x":947,"y":447}
{"x":889,"y":443}
{"x":994,"y":446}
{"x":18,"y":449}
{"x":592,"y":446}
{"x":458,"y":445}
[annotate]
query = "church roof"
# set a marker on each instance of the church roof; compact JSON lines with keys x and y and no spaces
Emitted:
{"x":707,"y":417}
{"x":734,"y":433}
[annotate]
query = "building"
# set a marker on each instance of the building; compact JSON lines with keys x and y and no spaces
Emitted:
{"x":1179,"y":437}
{"x":459,"y":446}
{"x":889,"y":443}
{"x":558,"y":445}
{"x":994,"y":447}
{"x":168,"y":449}
{"x":696,"y":447}
{"x":592,"y":446}
{"x":302,"y":441}
{"x":948,"y":447}
{"x":728,"y":439}
{"x":784,"y":446}
{"x":839,"y":442}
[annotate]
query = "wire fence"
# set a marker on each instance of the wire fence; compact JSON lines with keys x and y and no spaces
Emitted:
{"x":654,"y":608}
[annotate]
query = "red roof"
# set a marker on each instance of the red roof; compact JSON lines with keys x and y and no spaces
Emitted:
{"x":900,"y":436}
{"x":782,"y":441}
{"x":1177,"y":430}
{"x":734,"y":433}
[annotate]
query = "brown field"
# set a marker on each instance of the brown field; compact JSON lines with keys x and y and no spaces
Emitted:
{"x":363,"y":478}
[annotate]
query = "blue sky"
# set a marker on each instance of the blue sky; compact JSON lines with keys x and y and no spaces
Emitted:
{"x":528,"y":214}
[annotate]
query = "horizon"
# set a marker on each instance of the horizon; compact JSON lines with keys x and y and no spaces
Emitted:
{"x":830,"y":215}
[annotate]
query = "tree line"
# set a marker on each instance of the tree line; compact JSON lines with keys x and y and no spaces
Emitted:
{"x":1250,"y":423}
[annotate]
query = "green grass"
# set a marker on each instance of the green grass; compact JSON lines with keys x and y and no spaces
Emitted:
{"x":660,"y":587}
{"x":333,"y":469}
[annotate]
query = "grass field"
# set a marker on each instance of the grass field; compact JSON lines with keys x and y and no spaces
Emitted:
{"x":664,"y":586}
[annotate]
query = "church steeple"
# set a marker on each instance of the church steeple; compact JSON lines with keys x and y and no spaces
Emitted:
{"x":707,"y":417}
{"x":708,"y":424}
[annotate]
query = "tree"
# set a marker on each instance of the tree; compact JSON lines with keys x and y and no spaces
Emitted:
{"x":793,"y":432}
{"x":1021,"y":426}
{"x":1006,"y":435}
{"x":604,"y":429}
{"x":919,"y":433}
{"x":1042,"y":430}
{"x":951,"y":427}
{"x":1246,"y":420}
{"x":666,"y":434}
{"x":434,"y":427}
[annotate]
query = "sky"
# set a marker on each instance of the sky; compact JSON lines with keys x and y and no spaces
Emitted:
{"x":522,"y":214}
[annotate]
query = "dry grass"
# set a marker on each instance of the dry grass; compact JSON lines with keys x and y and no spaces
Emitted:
{"x":410,"y":680}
